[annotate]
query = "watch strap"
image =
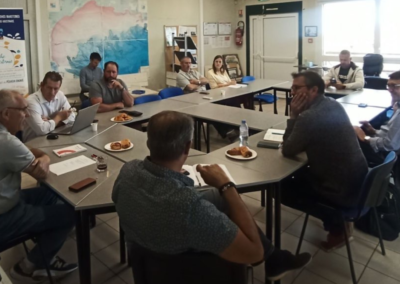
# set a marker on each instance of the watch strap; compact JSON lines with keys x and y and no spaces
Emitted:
{"x":226,"y":186}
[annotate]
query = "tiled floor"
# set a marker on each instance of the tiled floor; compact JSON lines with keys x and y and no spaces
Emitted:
{"x":371,"y":267}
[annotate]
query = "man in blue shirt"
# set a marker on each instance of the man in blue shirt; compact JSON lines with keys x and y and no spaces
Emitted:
{"x":89,"y":74}
{"x":160,"y":209}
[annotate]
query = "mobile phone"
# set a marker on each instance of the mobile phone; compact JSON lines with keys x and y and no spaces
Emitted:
{"x":333,"y":81}
{"x":131,"y":112}
{"x":362,"y":105}
{"x":268,"y":144}
{"x":80,"y":185}
{"x":204,"y":93}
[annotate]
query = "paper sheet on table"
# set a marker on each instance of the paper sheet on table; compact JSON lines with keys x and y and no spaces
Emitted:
{"x":237,"y":86}
{"x":71,"y":165}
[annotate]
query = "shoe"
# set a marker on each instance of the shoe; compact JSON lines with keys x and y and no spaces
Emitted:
{"x":59,"y":268}
{"x":334,"y":242}
{"x":233,"y":135}
{"x":17,"y":274}
{"x":282,"y":262}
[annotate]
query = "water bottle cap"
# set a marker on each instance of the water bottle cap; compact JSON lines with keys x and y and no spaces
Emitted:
{"x":243,"y":121}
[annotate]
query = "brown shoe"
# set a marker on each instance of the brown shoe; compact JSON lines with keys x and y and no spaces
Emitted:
{"x":334,"y":242}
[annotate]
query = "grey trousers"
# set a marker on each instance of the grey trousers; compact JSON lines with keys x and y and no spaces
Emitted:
{"x":39,"y":211}
{"x":213,"y":196}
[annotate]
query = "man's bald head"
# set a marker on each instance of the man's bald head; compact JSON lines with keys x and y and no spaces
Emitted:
{"x":186,"y":63}
{"x":9,"y":98}
{"x":168,"y":134}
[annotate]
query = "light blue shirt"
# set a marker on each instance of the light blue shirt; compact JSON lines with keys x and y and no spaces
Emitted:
{"x":88,"y":75}
{"x":388,"y":137}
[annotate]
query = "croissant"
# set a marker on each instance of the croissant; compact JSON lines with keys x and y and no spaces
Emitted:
{"x":125,"y":144}
{"x":234,"y":151}
{"x":245,"y":152}
{"x":116,"y":146}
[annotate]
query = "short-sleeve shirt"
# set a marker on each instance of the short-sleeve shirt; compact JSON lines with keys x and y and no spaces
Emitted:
{"x":183,"y":79}
{"x":99,"y":89}
{"x":15,"y":158}
{"x":160,"y":210}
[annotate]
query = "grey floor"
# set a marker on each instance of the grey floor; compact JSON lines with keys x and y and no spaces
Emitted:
{"x":371,"y":267}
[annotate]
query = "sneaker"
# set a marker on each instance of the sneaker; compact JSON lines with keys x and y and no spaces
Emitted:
{"x":17,"y":274}
{"x":59,"y":268}
{"x":282,"y":262}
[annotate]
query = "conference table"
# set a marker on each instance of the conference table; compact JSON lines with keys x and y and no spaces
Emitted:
{"x":372,"y":98}
{"x":265,"y":172}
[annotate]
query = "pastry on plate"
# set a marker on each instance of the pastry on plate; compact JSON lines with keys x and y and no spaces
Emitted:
{"x":243,"y":151}
{"x":116,"y":146}
{"x":122,"y":117}
{"x":234,"y":152}
{"x":125,"y":144}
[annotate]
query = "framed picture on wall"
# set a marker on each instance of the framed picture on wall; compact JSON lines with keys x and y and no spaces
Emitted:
{"x":233,"y":66}
{"x":310,"y":31}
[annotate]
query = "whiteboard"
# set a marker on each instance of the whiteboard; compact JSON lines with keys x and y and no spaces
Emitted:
{"x":210,"y":28}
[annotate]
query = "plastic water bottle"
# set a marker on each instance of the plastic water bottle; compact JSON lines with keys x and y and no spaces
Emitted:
{"x":244,"y":133}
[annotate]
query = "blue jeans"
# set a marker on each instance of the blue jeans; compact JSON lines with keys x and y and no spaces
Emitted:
{"x":40,"y":212}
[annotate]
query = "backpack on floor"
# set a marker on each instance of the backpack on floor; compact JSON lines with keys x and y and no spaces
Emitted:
{"x":388,"y":217}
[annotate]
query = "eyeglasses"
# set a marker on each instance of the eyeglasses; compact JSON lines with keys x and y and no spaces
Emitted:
{"x":23,"y":109}
{"x":295,"y":88}
{"x":392,"y":86}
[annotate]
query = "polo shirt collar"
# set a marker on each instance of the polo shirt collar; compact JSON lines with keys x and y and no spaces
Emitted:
{"x":3,"y":128}
{"x":42,"y":100}
{"x":166,"y":173}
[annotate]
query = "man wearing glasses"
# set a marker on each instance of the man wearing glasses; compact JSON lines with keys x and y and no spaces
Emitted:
{"x":29,"y":211}
{"x":377,"y":143}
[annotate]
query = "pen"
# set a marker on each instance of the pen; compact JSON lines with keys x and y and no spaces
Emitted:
{"x":277,"y":133}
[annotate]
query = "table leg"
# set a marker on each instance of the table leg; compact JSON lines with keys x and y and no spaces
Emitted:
{"x":275,"y":107}
{"x":287,"y":104}
{"x":199,"y":135}
{"x":83,"y":245}
{"x":263,"y":198}
{"x":208,"y":138}
{"x":278,"y":216}
{"x":268,"y":213}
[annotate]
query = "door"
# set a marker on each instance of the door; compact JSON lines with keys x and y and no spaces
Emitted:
{"x":274,"y":46}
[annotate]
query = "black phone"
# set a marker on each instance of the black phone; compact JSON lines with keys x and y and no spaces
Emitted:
{"x":268,"y":144}
{"x":52,"y":136}
{"x":133,"y":113}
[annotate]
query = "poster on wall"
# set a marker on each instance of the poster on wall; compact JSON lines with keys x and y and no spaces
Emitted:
{"x":117,"y":30}
{"x":13,"y":71}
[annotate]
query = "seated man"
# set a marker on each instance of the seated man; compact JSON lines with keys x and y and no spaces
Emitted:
{"x":48,"y":108}
{"x":347,"y":75}
{"x":380,"y":142}
{"x":35,"y":210}
{"x":319,"y":126}
{"x":109,"y":91}
{"x":190,"y":80}
{"x":89,"y":74}
{"x":160,"y":209}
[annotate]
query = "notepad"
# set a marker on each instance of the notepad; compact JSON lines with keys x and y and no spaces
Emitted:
{"x":196,"y":177}
{"x":69,"y":150}
{"x":237,"y":86}
{"x":70,"y":165}
{"x":275,"y":135}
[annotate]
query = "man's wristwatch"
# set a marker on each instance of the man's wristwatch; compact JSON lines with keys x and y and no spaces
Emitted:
{"x":199,"y":82}
{"x":226,"y":186}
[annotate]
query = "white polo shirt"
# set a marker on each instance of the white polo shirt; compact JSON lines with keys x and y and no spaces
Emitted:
{"x":38,"y":108}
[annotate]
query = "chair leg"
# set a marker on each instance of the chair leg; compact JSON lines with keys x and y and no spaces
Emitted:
{"x":260,"y":103}
{"x":25,"y":248}
{"x":45,"y":263}
{"x":379,"y":231}
{"x":122,"y":246}
{"x":263,"y":198}
{"x":346,"y":238}
{"x":303,"y":230}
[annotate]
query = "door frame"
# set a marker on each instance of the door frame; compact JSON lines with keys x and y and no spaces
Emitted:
{"x":270,"y":9}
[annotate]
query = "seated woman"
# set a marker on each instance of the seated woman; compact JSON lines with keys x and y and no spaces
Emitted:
{"x":218,"y":76}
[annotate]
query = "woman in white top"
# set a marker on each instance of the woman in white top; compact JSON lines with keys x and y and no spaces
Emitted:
{"x":218,"y":76}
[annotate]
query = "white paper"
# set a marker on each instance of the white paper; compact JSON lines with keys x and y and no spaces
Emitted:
{"x":196,"y":177}
{"x":237,"y":86}
{"x":168,"y":34}
{"x":275,"y":135}
{"x":210,"y":29}
{"x":71,"y":165}
{"x":225,"y":28}
{"x":224,"y":41}
{"x":69,"y":150}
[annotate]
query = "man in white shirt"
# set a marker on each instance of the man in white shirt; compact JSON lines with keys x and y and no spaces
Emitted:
{"x":346,"y":75}
{"x":190,"y":80}
{"x":48,"y":108}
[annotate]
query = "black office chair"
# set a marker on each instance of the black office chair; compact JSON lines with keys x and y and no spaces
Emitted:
{"x":376,"y":83}
{"x":373,"y":192}
{"x":21,"y":240}
{"x":373,"y":64}
{"x":195,"y":268}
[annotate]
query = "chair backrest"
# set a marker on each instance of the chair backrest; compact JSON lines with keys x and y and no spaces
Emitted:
{"x":373,"y":64}
{"x":246,"y":79}
{"x":376,"y":182}
{"x":195,"y":268}
{"x":85,"y":104}
{"x":147,"y":99}
{"x":170,"y":92}
{"x":376,"y":83}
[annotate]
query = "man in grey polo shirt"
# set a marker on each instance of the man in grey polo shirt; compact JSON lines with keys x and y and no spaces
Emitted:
{"x":110,"y":92}
{"x":30,"y":211}
{"x":160,"y":209}
{"x":89,"y":74}
{"x":190,"y":80}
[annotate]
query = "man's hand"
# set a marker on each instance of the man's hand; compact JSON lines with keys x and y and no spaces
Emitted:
{"x":367,"y":127}
{"x":298,"y":105}
{"x":45,"y":118}
{"x":119,"y":105}
{"x":64,"y":114}
{"x":194,"y":82}
{"x":213,"y":175}
{"x":115,"y":84}
{"x":339,"y":86}
{"x":41,"y":167}
{"x":360,"y":133}
{"x":233,"y":82}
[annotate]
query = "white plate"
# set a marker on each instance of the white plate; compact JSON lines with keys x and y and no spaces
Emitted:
{"x":112,"y":119}
{"x":240,"y":157}
{"x":108,"y":147}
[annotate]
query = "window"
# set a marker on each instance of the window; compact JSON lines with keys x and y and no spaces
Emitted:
{"x":348,"y":25}
{"x":389,"y":23}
